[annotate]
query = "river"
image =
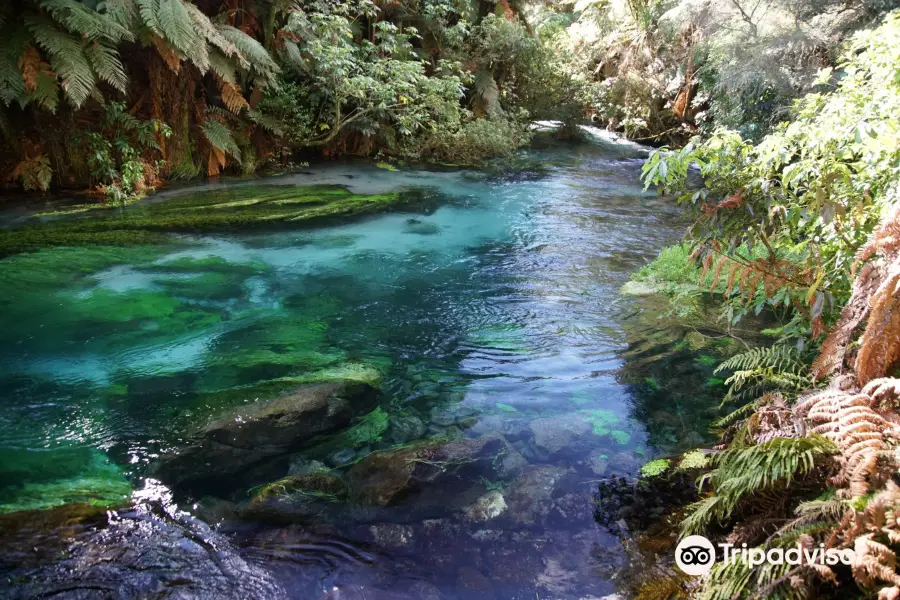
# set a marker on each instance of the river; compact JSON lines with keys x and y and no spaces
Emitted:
{"x":489,"y":306}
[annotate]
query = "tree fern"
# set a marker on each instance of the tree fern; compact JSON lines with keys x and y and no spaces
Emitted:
{"x":177,"y":27}
{"x":255,"y":56}
{"x":67,"y":58}
{"x":123,"y":12}
{"x":12,"y":85}
{"x":148,"y":10}
{"x":87,"y":23}
{"x":107,"y":65}
{"x":207,"y":30}
{"x":219,"y":137}
{"x":40,"y":82}
{"x":222,"y":67}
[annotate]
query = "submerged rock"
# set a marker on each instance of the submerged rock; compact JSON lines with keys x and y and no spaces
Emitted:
{"x":297,"y":497}
{"x":487,"y":507}
{"x":530,"y":498}
{"x":421,"y":227}
{"x":303,"y":466}
{"x":141,"y":553}
{"x":405,"y":428}
{"x":250,"y":434}
{"x":554,"y":434}
{"x":387,"y":477}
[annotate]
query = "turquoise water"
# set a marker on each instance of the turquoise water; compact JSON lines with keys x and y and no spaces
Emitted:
{"x":489,"y":305}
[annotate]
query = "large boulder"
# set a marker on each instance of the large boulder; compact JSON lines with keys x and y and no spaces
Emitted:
{"x":447,"y":471}
{"x":250,"y":434}
{"x":141,"y":552}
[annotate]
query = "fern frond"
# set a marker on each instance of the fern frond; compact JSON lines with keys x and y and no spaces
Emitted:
{"x":254,"y":55}
{"x":222,"y":67}
{"x":85,"y":22}
{"x":123,"y":12}
{"x":67,"y":58}
{"x":12,"y":84}
{"x":208,"y":31}
{"x":177,"y":27}
{"x":148,"y":10}
{"x":268,"y":123}
{"x":220,"y":137}
{"x":232,"y":97}
{"x":106,"y":63}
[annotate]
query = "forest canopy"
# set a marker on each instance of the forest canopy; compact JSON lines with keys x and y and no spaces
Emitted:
{"x":121,"y":94}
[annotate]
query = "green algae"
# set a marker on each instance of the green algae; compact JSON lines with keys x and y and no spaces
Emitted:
{"x":317,"y":486}
{"x":148,"y":223}
{"x":603,"y":423}
{"x":269,"y":348}
{"x":56,"y":268}
{"x":506,"y":407}
{"x":655,"y":468}
{"x":210,"y":264}
{"x":34,"y":480}
{"x":204,"y":286}
{"x":369,"y":429}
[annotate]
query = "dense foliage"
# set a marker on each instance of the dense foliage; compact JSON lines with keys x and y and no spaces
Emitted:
{"x":804,"y":224}
{"x":662,"y":69}
{"x":124,"y":93}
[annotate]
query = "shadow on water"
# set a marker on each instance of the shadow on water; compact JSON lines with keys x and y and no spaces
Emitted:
{"x":512,"y":376}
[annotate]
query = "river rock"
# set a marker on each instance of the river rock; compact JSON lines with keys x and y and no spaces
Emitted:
{"x":255,"y":432}
{"x":472,"y":583}
{"x":486,"y":507}
{"x":554,"y":434}
{"x":301,"y":465}
{"x":145,"y":552}
{"x":388,"y":477}
{"x":297,"y":497}
{"x":405,"y":428}
{"x":530,"y":498}
{"x":421,"y":227}
{"x":391,"y":535}
{"x":598,"y":461}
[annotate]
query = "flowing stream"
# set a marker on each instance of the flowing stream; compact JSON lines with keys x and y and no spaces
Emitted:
{"x":491,"y":306}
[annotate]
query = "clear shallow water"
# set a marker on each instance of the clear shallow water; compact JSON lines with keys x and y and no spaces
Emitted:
{"x":492,"y":307}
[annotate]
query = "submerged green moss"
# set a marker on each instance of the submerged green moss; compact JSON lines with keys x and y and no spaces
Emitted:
{"x":210,"y":264}
{"x":216,"y":210}
{"x":34,"y":480}
{"x":655,"y":468}
{"x":204,"y":286}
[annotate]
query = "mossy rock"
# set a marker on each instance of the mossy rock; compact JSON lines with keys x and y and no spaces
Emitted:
{"x":367,"y":430}
{"x":244,"y":206}
{"x":319,"y":486}
{"x":242,"y":437}
{"x":439,"y":468}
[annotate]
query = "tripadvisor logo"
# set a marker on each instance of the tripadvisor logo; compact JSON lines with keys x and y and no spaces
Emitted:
{"x":696,"y":555}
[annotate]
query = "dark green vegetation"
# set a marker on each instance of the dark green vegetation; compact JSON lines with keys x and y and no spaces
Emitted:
{"x":248,"y":206}
{"x":663,"y":70}
{"x":803,"y":226}
{"x":119,"y":96}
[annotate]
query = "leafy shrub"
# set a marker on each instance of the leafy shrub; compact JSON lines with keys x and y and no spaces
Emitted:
{"x":473,"y":141}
